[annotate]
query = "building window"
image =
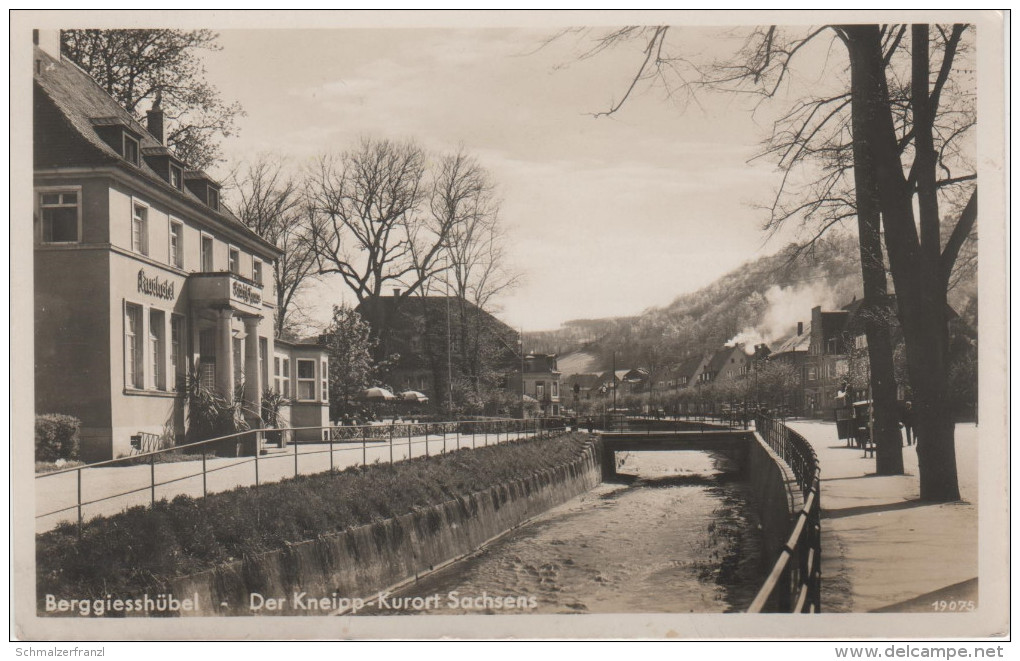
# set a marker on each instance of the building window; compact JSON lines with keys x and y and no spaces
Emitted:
{"x":130,"y":149}
{"x":176,"y":244}
{"x":305,"y":379}
{"x":539,"y":390}
{"x":234,"y":261}
{"x":60,"y":217}
{"x":276,"y":375}
{"x":157,"y":350}
{"x":133,"y":370}
{"x":812,"y":374}
{"x":177,"y":364}
{"x":286,"y":377}
{"x":263,"y":365}
{"x":555,"y":389}
{"x":176,"y":177}
{"x":140,"y":229}
{"x":207,"y":254}
{"x":256,"y":270}
{"x":325,"y":380}
{"x":207,"y":359}
{"x":214,"y":198}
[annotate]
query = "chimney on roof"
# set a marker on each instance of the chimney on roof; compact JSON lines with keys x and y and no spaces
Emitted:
{"x":800,"y":328}
{"x":154,"y":118}
{"x":48,"y":41}
{"x":396,"y":292}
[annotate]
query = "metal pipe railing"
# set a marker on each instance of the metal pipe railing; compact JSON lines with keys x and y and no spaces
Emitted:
{"x":380,"y":439}
{"x":794,"y":584}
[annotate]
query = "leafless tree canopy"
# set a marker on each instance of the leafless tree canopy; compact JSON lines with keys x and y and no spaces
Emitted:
{"x":272,"y":204}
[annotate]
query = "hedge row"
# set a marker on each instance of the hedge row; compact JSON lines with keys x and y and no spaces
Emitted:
{"x":140,"y":549}
{"x":56,"y":437}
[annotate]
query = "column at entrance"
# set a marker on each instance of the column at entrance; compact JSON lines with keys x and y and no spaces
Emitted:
{"x":224,"y":354}
{"x":252,"y":373}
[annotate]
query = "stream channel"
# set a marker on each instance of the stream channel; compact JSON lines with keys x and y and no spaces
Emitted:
{"x":673,"y":533}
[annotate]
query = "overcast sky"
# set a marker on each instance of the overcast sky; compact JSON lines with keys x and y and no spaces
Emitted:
{"x":604,"y":217}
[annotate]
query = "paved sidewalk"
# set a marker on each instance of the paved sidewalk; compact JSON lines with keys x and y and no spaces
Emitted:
{"x":883,"y":548}
{"x":112,"y":489}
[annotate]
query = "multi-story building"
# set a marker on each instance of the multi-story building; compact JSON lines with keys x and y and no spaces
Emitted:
{"x":541,"y":380}
{"x":141,"y":276}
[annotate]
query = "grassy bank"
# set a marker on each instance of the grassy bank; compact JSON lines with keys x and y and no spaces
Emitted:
{"x":141,"y":548}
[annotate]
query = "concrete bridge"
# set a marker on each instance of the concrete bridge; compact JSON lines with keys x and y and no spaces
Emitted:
{"x":731,"y":442}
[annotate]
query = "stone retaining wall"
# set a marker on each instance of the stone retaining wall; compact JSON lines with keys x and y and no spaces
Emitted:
{"x":362,"y":561}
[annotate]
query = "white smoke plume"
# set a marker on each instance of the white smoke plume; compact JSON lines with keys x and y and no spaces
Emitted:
{"x":786,"y":306}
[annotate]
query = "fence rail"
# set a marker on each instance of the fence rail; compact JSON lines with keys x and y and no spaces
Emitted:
{"x":245,"y":456}
{"x":794,"y":584}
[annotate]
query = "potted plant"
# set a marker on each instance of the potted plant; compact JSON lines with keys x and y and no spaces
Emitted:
{"x":272,"y":401}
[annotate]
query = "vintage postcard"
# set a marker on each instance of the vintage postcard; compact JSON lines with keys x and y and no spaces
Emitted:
{"x":509,"y":325}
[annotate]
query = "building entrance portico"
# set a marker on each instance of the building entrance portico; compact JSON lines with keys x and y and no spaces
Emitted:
{"x":226,"y":310}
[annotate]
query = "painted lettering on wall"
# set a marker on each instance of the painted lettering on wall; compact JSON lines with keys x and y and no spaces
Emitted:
{"x":155,"y":287}
{"x":246,"y":293}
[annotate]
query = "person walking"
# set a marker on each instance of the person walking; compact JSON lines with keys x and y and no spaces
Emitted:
{"x":907,"y":418}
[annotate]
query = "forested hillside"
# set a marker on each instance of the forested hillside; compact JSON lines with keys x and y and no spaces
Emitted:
{"x":760,"y":301}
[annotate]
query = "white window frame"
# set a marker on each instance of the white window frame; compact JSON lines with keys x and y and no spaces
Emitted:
{"x":286,"y":377}
{"x":175,"y":260}
{"x":144,"y":233}
{"x":257,"y":275}
{"x":180,"y":181}
{"x":231,"y":249}
{"x":123,"y":148}
{"x":57,"y":190}
{"x":178,"y":353}
{"x":324,"y":379}
{"x":211,"y":266}
{"x":134,"y":379}
{"x":301,"y":379}
{"x":156,"y":338}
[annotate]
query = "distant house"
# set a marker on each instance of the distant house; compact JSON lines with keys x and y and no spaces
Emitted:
{"x":626,"y":381}
{"x":579,"y":387}
{"x":541,"y":380}
{"x":726,"y":363}
{"x":794,"y":352}
{"x":434,"y":336}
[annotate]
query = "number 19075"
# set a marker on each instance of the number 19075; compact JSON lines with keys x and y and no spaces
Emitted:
{"x":951,"y":606}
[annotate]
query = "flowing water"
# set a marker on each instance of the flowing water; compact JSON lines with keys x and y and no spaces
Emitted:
{"x":674,"y":533}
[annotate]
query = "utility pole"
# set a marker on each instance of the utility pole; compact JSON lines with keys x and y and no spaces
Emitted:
{"x":614,"y":392}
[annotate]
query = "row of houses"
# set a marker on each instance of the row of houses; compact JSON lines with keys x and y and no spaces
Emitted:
{"x":821,"y":354}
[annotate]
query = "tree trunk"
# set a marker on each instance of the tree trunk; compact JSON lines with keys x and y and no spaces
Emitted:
{"x":920,"y":288}
{"x":874,"y":309}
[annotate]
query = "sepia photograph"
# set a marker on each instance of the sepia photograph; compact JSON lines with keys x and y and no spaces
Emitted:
{"x":446,"y":324}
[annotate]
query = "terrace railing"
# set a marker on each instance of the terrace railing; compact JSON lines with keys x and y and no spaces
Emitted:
{"x":242,"y":459}
{"x":794,"y":584}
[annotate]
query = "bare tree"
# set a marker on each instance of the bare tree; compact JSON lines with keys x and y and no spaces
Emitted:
{"x":901,"y":130}
{"x":271,"y":204}
{"x":369,"y":225}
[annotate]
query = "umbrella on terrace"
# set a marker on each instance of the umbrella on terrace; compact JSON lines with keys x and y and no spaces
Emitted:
{"x":378,"y":394}
{"x":413,"y":396}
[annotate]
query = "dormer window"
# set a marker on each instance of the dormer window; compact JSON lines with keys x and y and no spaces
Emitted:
{"x":214,"y":198}
{"x":130,"y":150}
{"x":176,"y":177}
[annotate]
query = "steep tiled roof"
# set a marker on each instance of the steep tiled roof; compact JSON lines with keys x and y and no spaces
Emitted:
{"x":795,"y":343}
{"x":721,"y":357}
{"x":85,"y":105}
